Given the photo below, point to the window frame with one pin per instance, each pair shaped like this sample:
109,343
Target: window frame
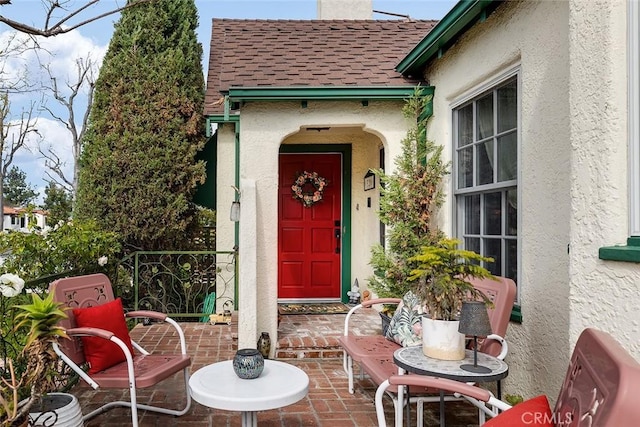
471,95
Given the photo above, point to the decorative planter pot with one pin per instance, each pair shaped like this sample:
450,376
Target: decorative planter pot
386,321
56,409
248,363
441,339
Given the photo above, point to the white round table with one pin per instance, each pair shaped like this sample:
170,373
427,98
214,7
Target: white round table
218,386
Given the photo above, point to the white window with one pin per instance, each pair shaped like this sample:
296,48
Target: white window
634,117
486,141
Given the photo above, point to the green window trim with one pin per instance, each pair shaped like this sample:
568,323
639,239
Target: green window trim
628,253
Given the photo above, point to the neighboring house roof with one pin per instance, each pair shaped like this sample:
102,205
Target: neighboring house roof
10,210
308,53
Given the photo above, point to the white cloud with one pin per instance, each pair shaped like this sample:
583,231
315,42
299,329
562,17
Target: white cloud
52,134
60,53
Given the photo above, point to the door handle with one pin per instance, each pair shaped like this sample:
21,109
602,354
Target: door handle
337,233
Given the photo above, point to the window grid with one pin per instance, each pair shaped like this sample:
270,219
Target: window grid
483,224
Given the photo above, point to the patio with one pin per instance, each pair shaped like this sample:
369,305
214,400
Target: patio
307,341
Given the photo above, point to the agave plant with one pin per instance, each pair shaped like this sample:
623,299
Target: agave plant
40,319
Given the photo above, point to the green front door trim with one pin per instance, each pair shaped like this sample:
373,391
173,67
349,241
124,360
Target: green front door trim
345,150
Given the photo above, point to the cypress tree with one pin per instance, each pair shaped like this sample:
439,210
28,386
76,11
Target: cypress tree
138,168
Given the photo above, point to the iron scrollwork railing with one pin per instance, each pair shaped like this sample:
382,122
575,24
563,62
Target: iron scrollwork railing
184,284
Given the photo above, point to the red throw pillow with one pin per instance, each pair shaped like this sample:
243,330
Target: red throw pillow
100,353
530,413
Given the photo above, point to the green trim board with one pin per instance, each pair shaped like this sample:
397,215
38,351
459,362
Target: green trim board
463,16
628,253
345,150
323,93
219,118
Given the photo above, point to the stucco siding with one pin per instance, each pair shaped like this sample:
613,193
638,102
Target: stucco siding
513,38
264,127
225,178
604,294
573,190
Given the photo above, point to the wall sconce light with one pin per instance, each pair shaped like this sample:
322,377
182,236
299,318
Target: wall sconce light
369,181
234,215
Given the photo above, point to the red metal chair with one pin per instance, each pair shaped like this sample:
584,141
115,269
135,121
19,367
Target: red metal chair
601,388
501,292
139,370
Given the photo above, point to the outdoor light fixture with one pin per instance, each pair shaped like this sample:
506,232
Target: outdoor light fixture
234,215
474,320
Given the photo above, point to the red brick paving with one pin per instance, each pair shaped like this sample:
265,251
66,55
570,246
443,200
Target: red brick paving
328,403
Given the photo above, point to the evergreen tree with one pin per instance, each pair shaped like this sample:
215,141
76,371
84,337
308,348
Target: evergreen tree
408,197
16,190
138,168
58,202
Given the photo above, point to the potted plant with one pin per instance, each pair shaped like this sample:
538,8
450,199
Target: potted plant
442,279
29,390
408,197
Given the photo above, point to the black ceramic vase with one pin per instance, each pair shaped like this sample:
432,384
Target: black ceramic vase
248,363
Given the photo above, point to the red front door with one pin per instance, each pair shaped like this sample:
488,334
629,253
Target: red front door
309,237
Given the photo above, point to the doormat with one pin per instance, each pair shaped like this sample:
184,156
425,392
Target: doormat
319,308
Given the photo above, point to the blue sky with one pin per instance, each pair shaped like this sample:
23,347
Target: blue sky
92,40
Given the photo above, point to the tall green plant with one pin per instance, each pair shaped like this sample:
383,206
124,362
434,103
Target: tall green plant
442,278
138,168
409,196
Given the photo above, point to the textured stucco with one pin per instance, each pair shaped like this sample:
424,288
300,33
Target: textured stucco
225,178
604,294
572,172
264,127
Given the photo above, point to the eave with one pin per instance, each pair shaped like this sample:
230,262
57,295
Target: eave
322,93
304,94
463,16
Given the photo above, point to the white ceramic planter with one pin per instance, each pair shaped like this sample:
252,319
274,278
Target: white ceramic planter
441,339
57,409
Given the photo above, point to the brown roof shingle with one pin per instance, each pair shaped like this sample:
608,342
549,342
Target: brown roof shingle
314,53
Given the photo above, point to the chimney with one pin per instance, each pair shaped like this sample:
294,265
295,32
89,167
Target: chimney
345,9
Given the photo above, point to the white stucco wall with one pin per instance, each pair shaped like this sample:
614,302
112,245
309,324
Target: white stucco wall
263,128
225,178
604,294
572,172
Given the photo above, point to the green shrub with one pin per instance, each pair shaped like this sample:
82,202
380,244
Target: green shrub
78,246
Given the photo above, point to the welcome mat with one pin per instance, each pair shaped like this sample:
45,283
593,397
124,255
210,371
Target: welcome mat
316,308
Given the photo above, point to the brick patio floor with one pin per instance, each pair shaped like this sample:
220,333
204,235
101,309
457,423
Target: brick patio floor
327,404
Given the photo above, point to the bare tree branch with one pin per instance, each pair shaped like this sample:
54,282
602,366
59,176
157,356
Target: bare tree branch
85,69
12,140
58,27
54,171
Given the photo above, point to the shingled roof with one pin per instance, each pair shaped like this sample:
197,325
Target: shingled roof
310,53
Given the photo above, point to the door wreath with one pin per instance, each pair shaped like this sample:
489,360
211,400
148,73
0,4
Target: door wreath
301,191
